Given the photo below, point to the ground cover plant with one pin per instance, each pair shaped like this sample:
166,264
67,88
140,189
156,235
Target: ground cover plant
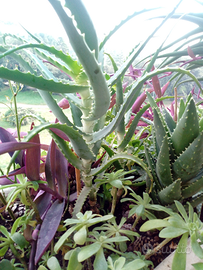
120,142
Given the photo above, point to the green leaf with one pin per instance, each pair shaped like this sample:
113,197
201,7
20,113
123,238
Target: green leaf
179,258
84,23
63,238
88,251
100,261
198,266
73,260
19,239
182,211
80,236
4,231
3,251
135,265
196,245
172,232
40,82
6,264
53,264
154,224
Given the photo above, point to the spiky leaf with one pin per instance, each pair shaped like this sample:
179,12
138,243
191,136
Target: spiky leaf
170,193
163,167
190,161
187,128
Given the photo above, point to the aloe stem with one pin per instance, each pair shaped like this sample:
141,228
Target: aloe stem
157,248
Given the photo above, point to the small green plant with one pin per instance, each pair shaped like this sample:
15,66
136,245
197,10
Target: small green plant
13,240
112,229
122,264
140,207
175,225
80,229
115,181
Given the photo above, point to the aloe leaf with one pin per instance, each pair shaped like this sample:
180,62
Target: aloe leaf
181,109
188,164
163,167
75,67
192,188
90,64
49,227
76,114
191,17
131,130
152,168
121,156
187,128
84,23
32,160
171,193
76,139
39,82
160,129
169,120
81,199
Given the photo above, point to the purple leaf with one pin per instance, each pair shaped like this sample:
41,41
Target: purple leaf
32,160
61,173
50,165
43,202
6,137
49,227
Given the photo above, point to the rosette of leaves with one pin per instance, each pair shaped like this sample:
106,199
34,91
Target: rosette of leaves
176,158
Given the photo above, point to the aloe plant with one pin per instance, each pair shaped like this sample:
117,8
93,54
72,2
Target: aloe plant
88,91
176,161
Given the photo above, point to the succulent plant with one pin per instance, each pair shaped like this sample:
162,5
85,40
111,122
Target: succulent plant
176,160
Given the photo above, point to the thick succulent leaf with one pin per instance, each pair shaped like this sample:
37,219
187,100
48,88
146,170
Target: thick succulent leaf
187,129
188,164
40,82
152,168
32,160
89,62
5,137
49,227
131,130
160,129
131,97
163,166
75,67
84,23
192,188
169,120
181,109
79,144
171,193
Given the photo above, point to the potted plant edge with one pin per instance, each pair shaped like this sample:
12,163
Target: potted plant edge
121,146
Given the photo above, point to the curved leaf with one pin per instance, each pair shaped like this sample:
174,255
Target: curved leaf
49,227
